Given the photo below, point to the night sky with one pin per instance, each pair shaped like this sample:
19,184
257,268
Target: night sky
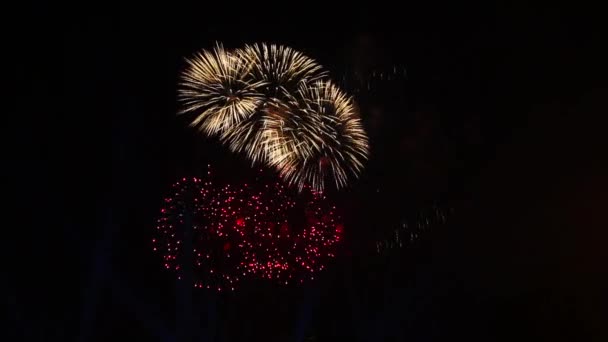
496,117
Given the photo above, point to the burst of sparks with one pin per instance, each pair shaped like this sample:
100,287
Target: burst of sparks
225,234
282,68
322,138
281,71
218,89
272,103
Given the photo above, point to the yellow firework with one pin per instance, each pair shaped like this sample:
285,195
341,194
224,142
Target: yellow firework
218,89
272,103
281,70
251,136
321,139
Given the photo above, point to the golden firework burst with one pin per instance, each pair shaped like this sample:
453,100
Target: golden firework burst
218,89
280,70
273,104
322,138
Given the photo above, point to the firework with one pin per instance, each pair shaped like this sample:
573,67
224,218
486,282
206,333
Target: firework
299,237
281,68
281,71
217,88
188,219
322,139
225,234
271,103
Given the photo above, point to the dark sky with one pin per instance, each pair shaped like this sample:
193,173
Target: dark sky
500,119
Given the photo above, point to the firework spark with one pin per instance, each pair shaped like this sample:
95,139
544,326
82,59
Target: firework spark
281,71
191,216
322,138
225,234
282,68
272,104
218,88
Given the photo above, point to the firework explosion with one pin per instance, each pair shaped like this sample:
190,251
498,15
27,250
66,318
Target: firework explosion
193,216
245,231
281,71
324,140
295,240
217,87
270,102
281,68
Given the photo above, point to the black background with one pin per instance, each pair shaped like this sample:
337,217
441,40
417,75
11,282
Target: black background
500,117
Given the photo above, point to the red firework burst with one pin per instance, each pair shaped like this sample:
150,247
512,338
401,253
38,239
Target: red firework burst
190,235
265,231
297,235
